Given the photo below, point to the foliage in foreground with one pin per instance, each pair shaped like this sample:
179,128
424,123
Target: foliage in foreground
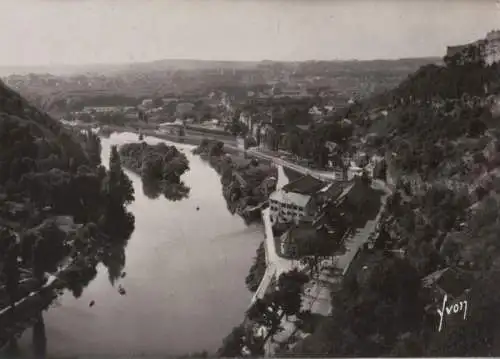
60,210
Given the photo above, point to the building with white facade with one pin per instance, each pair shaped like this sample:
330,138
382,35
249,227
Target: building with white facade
295,200
147,103
290,206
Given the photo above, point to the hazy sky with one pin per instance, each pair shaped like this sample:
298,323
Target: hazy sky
42,32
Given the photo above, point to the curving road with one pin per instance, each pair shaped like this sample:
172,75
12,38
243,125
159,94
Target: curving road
275,265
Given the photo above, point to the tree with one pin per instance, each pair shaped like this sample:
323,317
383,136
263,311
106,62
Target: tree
257,269
290,286
237,128
365,178
233,343
117,185
265,312
11,271
217,149
320,244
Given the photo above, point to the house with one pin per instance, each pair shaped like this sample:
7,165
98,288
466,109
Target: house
147,103
337,165
301,199
171,127
315,111
295,200
333,221
354,196
100,109
331,192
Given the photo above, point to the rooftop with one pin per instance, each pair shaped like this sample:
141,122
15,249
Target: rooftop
304,185
298,199
298,234
334,189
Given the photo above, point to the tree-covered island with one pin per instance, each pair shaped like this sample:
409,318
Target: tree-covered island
160,167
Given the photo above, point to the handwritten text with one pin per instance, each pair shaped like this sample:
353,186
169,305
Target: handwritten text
452,309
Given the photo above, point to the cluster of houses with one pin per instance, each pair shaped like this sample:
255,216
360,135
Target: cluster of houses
307,208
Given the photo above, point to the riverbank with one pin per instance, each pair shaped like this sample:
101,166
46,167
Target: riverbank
246,183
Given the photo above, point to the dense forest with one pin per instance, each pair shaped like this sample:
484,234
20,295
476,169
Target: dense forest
160,167
61,211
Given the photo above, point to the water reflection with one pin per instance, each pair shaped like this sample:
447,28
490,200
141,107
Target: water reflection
151,188
114,261
174,248
173,192
39,338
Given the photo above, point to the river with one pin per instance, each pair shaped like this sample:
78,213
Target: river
185,268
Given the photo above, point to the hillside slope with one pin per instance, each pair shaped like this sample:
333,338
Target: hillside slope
60,210
439,131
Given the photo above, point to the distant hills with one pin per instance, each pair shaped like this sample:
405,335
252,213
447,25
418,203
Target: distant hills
189,64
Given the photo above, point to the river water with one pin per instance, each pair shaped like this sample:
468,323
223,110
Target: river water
185,268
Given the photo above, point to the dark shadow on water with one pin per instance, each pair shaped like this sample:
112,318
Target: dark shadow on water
171,191
176,192
114,261
39,339
113,236
238,208
151,189
119,230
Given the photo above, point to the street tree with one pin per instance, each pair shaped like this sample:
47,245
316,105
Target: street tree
290,287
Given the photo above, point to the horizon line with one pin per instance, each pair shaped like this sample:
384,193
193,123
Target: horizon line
218,60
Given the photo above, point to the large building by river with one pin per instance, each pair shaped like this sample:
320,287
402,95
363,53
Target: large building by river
301,199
